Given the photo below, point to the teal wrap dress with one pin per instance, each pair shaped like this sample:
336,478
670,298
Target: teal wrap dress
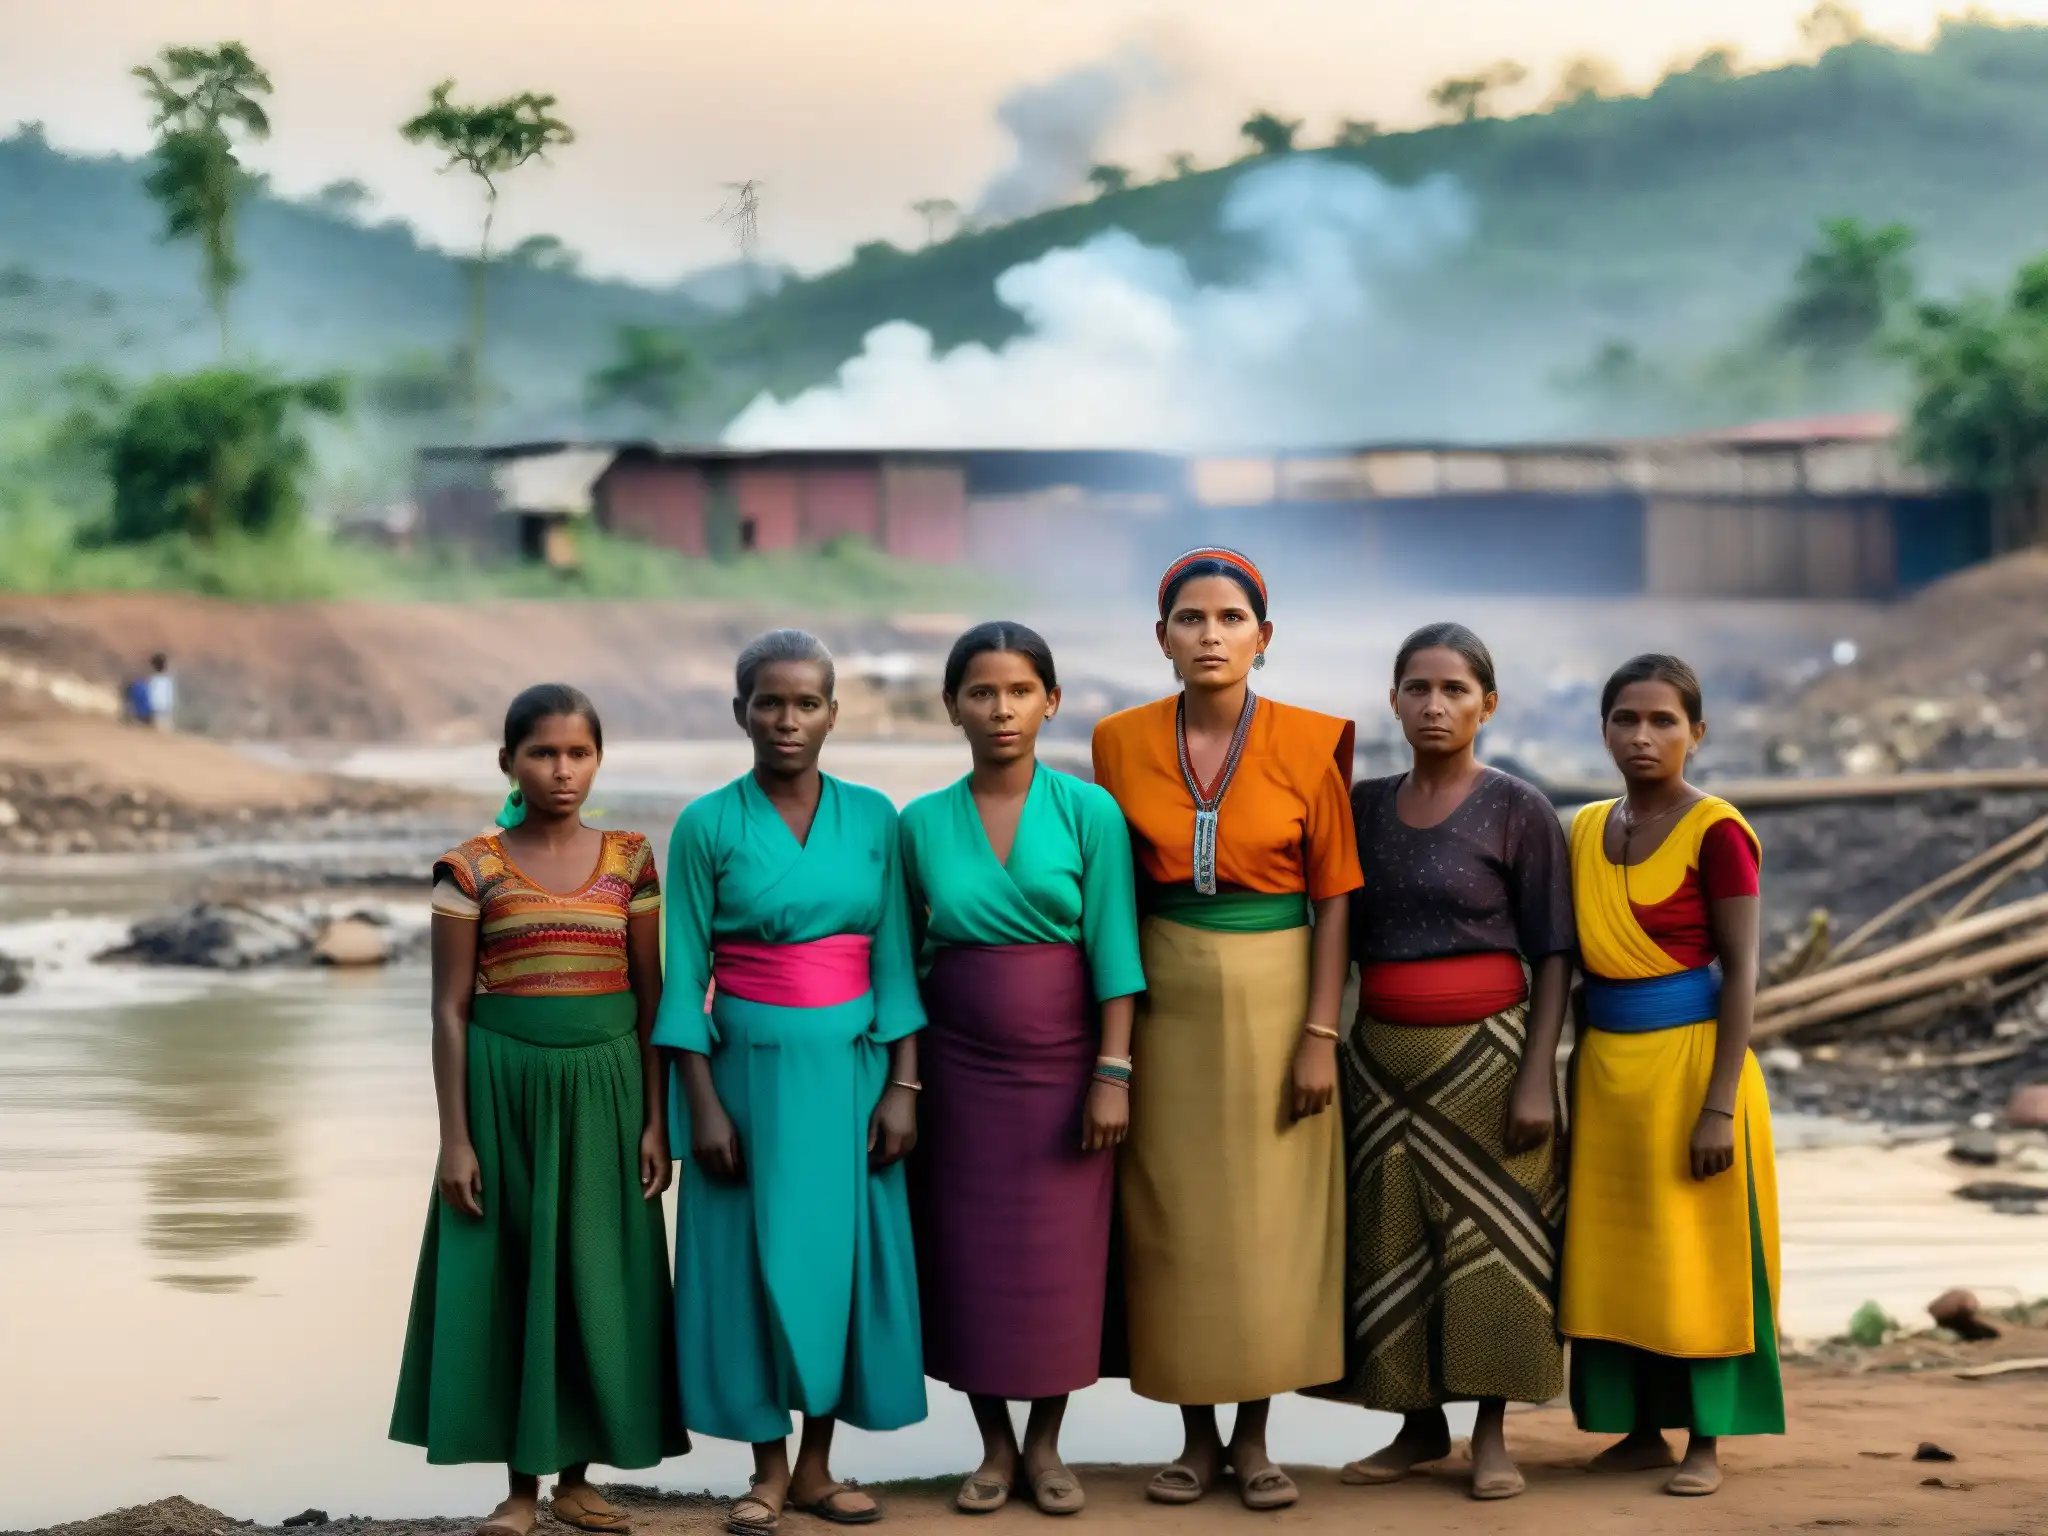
796,1290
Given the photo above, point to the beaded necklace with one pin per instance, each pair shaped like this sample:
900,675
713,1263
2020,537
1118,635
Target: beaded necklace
1208,804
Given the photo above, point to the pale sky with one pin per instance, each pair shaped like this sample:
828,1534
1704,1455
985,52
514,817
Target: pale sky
847,110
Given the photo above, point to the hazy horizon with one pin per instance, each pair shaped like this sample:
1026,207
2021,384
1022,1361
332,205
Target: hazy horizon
847,113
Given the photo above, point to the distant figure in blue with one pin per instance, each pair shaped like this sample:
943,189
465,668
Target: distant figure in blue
153,699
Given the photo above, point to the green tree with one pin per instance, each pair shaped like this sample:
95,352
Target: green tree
1354,133
1108,180
1980,400
200,98
1270,134
1831,25
544,253
651,371
1586,78
1847,289
1466,98
488,140
421,383
213,453
1180,163
934,211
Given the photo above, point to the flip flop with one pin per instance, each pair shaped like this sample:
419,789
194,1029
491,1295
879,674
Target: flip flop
1693,1485
981,1495
1363,1474
1058,1492
573,1506
822,1508
1175,1484
497,1527
763,1524
1267,1489
1506,1486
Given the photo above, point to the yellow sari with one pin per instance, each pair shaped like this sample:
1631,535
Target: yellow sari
1653,1258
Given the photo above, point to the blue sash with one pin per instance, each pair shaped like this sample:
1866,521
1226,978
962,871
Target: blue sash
1655,1002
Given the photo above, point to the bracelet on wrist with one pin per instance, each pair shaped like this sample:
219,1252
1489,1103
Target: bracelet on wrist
1112,1061
1725,1114
1114,1079
1320,1033
897,1082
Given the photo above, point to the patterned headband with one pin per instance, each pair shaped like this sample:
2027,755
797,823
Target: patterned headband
1230,557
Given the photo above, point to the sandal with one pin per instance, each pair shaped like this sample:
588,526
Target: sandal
981,1495
585,1508
1367,1473
1058,1492
1175,1484
763,1524
497,1525
1268,1489
822,1508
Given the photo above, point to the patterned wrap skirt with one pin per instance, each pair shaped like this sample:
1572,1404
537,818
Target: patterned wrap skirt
1452,1253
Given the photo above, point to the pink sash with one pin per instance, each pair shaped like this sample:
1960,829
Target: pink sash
821,974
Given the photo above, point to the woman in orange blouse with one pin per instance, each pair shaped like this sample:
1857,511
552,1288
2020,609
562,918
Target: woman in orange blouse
1240,815
542,1333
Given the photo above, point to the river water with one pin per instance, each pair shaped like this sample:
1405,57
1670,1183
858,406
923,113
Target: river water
212,1190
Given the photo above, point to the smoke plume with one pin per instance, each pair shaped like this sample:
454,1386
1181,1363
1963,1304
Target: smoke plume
1122,347
1057,128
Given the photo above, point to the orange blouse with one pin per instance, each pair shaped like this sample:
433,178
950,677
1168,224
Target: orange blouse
534,942
1285,824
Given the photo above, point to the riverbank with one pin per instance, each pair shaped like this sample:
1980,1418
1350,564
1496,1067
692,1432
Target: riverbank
1848,1463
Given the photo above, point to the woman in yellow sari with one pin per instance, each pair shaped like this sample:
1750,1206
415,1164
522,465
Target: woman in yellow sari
1671,1235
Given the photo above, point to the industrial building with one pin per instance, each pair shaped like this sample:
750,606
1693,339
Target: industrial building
1816,509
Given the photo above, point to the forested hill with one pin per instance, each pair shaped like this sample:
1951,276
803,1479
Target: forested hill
1670,222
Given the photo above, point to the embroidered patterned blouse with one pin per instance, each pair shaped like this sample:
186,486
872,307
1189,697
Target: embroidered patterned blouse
540,943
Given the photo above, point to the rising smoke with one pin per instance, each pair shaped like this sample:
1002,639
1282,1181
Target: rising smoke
1122,347
1057,129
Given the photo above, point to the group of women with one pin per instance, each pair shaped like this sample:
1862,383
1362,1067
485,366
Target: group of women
1033,1084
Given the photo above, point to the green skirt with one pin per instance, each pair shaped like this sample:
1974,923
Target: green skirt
543,1334
1617,1388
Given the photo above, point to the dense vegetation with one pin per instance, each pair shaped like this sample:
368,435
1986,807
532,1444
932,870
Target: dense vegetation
1729,244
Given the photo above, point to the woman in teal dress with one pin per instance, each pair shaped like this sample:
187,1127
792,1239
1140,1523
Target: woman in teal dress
796,1278
1024,878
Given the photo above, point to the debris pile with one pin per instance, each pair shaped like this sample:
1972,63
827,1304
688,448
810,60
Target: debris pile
1907,978
242,936
1955,678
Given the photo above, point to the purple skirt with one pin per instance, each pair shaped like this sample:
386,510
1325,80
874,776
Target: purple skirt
1014,1218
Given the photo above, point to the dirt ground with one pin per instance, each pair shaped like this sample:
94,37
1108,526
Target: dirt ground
1847,1464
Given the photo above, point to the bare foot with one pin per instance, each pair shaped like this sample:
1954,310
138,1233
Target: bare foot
1699,1474
1645,1450
515,1517
580,1505
1422,1439
1494,1473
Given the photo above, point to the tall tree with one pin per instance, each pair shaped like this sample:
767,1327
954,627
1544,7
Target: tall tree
1108,180
1847,289
650,372
1980,400
1269,133
1466,98
488,140
934,211
200,99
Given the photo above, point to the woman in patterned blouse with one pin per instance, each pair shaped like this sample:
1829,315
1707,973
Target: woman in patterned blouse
542,1332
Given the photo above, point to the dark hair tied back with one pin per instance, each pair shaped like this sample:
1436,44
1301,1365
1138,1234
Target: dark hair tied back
1449,637
543,700
999,636
1655,667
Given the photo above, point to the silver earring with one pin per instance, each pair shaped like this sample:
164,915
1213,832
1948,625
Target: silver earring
1259,661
